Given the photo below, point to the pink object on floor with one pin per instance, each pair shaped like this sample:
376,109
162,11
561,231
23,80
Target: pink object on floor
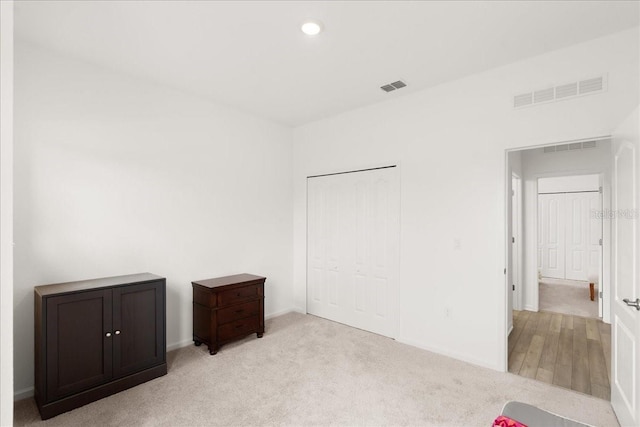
503,421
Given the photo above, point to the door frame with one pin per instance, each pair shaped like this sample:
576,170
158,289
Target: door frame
516,276
605,281
606,235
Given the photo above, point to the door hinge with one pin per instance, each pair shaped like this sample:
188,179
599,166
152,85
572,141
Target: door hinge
600,242
513,192
513,287
513,240
600,294
505,271
600,190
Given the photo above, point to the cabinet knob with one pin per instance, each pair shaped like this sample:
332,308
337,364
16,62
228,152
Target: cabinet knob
108,334
117,332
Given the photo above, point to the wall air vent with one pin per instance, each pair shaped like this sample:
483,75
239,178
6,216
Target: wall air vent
565,91
544,95
393,86
570,147
561,92
591,85
522,100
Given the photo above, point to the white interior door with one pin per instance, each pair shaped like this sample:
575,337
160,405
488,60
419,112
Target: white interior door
583,232
551,241
353,240
625,320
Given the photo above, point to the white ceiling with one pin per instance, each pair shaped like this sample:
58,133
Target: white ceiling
253,56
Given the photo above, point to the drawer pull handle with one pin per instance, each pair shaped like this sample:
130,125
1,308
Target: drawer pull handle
239,326
108,334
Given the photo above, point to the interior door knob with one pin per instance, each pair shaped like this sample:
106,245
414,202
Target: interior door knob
630,303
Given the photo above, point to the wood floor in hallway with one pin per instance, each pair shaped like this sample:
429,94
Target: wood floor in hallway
569,351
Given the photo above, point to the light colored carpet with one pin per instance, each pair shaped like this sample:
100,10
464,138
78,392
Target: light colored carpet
567,297
310,371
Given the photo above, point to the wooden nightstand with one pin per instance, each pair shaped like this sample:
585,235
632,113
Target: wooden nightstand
227,308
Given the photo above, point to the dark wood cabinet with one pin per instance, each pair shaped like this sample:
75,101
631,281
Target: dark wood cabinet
227,308
97,337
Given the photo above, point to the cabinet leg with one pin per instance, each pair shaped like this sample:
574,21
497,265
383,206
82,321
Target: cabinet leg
213,350
259,334
197,343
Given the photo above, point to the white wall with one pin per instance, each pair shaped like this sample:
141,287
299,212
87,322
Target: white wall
564,184
6,213
537,164
116,175
450,144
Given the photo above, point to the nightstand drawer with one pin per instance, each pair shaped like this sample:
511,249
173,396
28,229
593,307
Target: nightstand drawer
240,311
237,328
238,295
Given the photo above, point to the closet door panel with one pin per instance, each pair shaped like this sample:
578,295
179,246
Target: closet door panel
551,225
353,233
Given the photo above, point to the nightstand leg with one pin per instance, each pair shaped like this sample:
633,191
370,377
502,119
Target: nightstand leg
259,334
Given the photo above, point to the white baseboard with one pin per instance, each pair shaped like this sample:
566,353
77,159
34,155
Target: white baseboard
452,354
24,393
279,313
179,344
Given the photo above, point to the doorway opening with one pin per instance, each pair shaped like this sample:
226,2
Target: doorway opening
570,260
557,248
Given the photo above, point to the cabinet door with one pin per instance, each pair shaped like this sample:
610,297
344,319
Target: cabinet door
78,350
138,325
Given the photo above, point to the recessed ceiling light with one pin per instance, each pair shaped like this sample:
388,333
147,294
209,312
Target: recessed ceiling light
311,28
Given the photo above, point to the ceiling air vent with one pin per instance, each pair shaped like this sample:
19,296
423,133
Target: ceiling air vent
393,86
561,92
